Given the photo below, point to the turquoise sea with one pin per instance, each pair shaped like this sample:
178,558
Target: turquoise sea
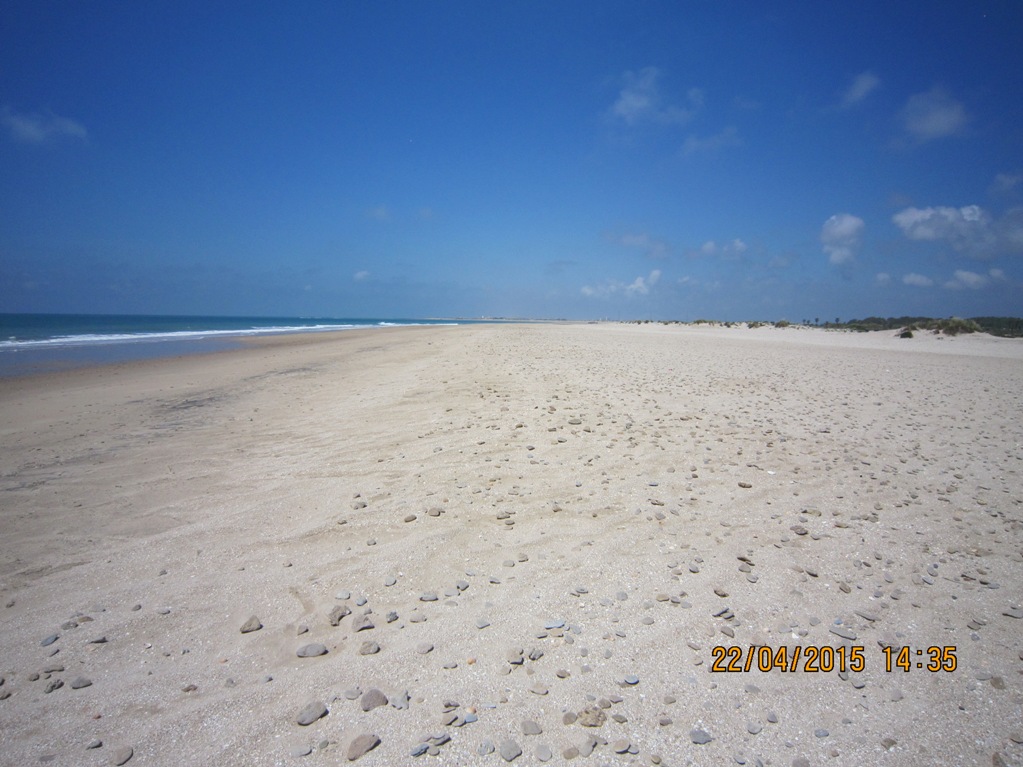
31,343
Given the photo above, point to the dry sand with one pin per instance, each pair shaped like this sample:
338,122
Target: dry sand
596,508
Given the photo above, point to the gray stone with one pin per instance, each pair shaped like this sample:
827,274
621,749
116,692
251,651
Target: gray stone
530,727
123,755
369,648
362,623
543,753
252,624
587,746
372,699
311,650
361,746
591,717
700,737
844,632
337,613
79,682
510,750
401,700
311,712
486,747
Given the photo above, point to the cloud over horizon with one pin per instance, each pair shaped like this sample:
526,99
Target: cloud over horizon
840,237
639,287
917,280
970,230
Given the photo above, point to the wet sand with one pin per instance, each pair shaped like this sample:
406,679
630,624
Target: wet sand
518,542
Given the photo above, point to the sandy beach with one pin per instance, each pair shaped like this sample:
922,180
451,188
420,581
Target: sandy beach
481,544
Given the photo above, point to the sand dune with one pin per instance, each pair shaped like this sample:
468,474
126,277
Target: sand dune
522,543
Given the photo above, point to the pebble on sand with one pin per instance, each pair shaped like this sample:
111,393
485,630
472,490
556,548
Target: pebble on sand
311,712
369,648
362,745
510,750
311,650
700,737
123,755
252,624
372,699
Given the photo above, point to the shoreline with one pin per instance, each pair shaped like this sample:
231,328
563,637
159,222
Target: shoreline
980,344
558,517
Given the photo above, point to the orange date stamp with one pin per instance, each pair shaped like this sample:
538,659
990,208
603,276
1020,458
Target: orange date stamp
812,659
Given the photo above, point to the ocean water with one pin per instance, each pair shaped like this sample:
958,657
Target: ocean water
31,343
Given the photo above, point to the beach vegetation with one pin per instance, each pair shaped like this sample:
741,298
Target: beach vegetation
1007,327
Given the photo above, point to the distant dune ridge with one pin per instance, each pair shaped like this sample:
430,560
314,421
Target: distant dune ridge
519,543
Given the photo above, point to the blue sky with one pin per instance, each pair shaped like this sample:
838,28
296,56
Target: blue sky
662,160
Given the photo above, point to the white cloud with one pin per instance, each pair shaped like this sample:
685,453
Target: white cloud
727,250
360,276
942,223
840,237
883,278
1005,183
641,101
862,86
726,138
973,281
970,230
933,115
918,280
651,247
964,279
642,286
37,129
639,287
